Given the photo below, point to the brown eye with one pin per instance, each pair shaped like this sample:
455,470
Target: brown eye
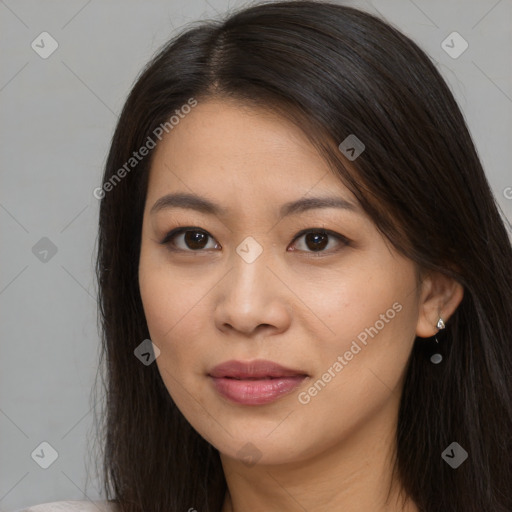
188,239
195,239
318,240
191,239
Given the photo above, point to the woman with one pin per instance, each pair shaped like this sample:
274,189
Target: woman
304,278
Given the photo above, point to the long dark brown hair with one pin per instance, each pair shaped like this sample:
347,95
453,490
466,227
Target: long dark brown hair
334,71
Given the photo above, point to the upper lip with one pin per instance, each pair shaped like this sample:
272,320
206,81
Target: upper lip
258,368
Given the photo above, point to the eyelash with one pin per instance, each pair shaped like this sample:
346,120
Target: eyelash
178,231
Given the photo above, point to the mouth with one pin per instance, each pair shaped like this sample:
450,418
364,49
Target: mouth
253,370
254,378
254,382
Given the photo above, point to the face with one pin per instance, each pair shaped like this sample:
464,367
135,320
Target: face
314,289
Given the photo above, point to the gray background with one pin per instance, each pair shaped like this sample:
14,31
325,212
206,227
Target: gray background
58,115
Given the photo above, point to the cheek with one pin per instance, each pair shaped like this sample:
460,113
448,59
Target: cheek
169,316
158,303
176,310
168,307
165,297
348,304
361,366
368,317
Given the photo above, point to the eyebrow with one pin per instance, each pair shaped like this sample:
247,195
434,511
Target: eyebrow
203,205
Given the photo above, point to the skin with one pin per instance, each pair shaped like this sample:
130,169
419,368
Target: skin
294,305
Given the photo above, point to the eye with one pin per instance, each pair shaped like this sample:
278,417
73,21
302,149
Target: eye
315,240
194,239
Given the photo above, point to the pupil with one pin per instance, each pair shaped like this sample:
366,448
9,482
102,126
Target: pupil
193,239
315,238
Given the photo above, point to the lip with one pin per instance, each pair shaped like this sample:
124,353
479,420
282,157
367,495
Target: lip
256,369
254,382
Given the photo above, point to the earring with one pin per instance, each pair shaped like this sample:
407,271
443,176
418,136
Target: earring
437,358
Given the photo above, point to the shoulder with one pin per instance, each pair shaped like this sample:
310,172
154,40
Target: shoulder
72,506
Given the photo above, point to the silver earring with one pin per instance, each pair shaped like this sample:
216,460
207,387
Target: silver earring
437,358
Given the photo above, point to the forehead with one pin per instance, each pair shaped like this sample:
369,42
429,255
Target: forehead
227,146
227,130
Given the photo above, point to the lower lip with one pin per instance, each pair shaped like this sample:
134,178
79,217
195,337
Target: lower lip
256,392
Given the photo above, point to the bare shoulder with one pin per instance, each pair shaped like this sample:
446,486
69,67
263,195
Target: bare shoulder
72,506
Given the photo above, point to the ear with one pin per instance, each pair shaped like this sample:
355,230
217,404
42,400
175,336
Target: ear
440,296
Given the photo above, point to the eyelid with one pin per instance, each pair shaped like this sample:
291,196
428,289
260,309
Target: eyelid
182,229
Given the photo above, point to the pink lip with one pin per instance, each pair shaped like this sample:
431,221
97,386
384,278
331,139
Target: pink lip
256,382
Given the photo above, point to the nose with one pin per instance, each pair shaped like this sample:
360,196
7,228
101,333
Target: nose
253,300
